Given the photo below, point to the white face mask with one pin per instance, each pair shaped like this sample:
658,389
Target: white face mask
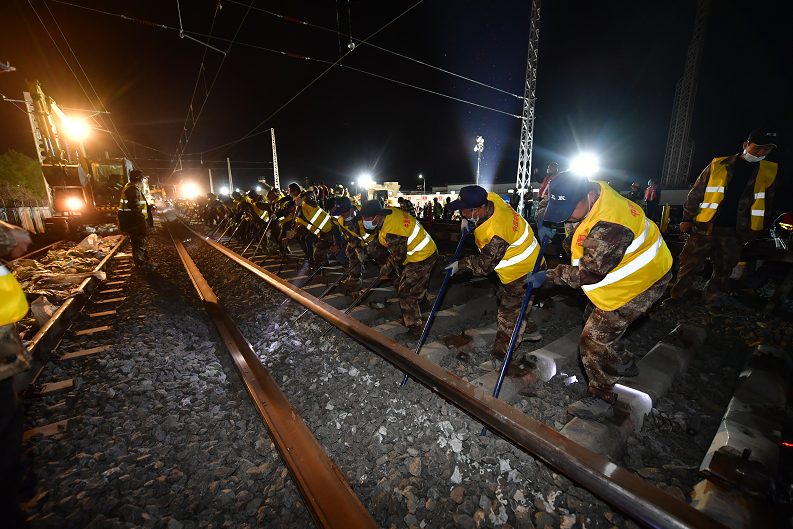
369,225
751,158
348,219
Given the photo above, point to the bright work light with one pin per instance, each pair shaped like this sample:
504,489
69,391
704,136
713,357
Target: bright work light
74,203
585,164
224,190
76,129
189,190
365,180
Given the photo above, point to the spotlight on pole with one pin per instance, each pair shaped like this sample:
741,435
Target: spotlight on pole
365,180
585,164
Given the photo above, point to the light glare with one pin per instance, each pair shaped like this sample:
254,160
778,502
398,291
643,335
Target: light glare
585,164
76,130
73,204
189,190
224,190
365,180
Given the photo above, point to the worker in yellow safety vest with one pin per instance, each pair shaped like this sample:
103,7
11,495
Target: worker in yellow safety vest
410,246
728,207
349,224
313,227
622,264
508,247
132,219
14,359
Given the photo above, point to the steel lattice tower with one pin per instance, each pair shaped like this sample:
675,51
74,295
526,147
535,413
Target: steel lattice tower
529,99
679,147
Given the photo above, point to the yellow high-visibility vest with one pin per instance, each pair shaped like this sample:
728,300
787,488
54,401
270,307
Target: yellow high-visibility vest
714,192
15,304
420,244
523,249
365,237
124,206
315,219
646,260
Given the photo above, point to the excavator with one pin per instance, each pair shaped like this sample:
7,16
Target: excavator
83,191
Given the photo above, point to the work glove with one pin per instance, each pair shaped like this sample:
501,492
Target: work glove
536,280
464,225
385,270
545,231
453,268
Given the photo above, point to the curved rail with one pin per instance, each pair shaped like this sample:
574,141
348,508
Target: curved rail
329,498
619,487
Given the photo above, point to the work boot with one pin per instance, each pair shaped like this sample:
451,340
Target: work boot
631,369
531,336
591,408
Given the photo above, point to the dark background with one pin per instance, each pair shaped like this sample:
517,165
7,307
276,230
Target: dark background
606,80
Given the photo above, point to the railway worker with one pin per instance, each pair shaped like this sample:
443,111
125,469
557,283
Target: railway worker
636,194
652,197
622,264
550,173
132,216
409,245
728,207
350,224
14,359
314,228
507,245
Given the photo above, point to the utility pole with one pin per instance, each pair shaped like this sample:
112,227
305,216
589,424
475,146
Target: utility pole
277,183
529,100
679,147
480,146
231,186
211,187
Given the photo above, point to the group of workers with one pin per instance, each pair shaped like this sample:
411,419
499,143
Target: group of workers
618,256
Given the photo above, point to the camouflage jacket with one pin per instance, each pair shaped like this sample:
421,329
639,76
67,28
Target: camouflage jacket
13,356
490,254
743,221
604,249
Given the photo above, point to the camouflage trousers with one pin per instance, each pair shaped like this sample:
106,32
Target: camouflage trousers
138,238
356,254
601,346
322,247
413,288
510,299
724,249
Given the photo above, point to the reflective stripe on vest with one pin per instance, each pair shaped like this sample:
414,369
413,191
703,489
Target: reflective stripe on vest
717,183
319,221
365,237
420,245
523,250
15,304
142,201
646,260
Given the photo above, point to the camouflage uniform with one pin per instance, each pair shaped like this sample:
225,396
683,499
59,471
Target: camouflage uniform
720,239
600,345
13,359
510,295
415,276
356,254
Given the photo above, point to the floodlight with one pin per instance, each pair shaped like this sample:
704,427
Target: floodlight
190,190
258,188
365,180
76,129
224,190
74,203
585,164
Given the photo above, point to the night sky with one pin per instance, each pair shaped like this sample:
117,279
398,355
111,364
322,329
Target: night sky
606,80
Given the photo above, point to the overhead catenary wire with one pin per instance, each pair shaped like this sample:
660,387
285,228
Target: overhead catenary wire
123,148
352,39
253,132
217,73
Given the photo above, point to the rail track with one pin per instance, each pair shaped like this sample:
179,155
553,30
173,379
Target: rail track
628,492
360,451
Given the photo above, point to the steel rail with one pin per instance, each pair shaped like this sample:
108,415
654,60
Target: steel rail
617,486
327,494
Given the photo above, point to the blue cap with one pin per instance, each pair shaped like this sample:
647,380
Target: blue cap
564,193
470,197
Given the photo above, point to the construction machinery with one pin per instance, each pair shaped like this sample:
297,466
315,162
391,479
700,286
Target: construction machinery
78,186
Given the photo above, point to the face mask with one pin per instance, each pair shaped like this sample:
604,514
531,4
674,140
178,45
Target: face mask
649,182
751,158
348,219
369,225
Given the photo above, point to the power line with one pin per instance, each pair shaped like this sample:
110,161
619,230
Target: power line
252,132
123,148
217,73
316,26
